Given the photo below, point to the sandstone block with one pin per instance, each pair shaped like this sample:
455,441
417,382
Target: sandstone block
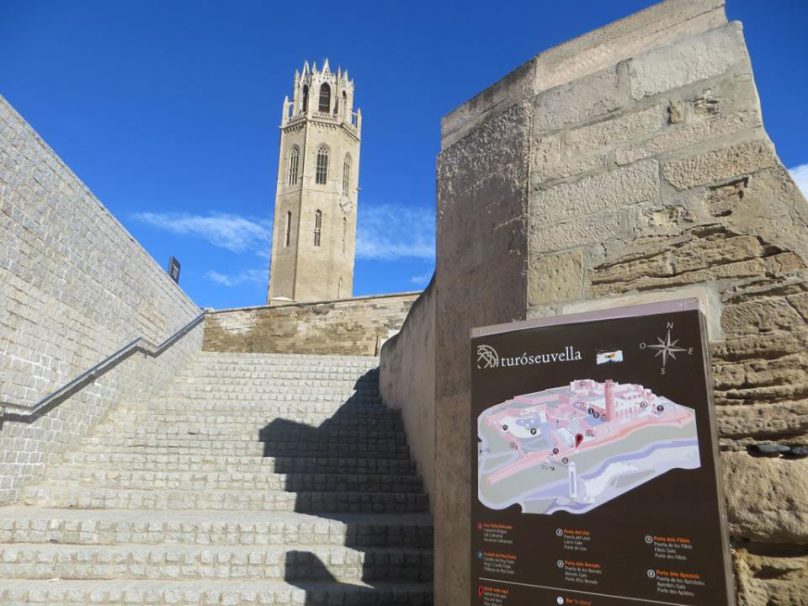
686,135
763,420
768,580
550,238
574,151
720,165
766,498
555,278
693,59
760,316
589,195
578,101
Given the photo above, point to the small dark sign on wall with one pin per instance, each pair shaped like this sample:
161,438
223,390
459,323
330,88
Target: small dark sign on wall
595,478
174,269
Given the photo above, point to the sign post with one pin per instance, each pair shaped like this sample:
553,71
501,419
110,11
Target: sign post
595,457
174,269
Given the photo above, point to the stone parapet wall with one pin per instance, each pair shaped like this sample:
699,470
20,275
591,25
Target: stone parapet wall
356,326
407,382
632,162
74,288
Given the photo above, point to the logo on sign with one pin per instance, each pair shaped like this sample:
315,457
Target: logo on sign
487,357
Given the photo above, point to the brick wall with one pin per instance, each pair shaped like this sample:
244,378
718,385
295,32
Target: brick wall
349,326
74,288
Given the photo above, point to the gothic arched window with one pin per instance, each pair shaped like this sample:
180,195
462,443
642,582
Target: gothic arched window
318,226
288,230
294,162
325,97
346,175
305,97
322,165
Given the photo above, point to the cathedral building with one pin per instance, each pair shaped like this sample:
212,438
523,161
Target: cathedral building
314,231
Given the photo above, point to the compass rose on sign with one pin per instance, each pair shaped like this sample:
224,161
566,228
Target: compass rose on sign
667,348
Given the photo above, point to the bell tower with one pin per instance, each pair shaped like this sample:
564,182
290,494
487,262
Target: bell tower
314,230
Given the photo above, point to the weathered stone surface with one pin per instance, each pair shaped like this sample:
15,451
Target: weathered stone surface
480,279
688,134
407,382
763,421
556,277
771,580
693,59
589,195
574,232
720,165
583,149
766,498
351,326
760,316
575,102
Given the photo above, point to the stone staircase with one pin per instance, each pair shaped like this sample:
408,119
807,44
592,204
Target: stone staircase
255,479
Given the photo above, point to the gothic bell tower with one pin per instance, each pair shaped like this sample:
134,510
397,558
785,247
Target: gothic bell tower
314,230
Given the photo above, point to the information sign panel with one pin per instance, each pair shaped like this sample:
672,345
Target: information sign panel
595,477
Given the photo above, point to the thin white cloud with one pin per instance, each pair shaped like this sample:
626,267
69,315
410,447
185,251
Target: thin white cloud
232,232
255,276
422,280
800,176
387,232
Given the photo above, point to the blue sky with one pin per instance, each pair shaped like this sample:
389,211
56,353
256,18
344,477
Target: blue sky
169,110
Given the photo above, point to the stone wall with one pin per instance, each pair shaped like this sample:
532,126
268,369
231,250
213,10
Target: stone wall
633,162
74,288
356,326
407,382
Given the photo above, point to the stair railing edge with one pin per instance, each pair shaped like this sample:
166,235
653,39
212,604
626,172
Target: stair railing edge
140,344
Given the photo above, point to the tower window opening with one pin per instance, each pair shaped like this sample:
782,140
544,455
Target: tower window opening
344,103
294,162
325,97
318,226
305,97
346,175
322,165
288,231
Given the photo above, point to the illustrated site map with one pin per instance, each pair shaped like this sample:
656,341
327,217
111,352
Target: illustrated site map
575,447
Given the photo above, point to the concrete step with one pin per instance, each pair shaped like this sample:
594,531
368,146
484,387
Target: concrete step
274,405
230,500
69,476
247,464
381,417
276,430
212,593
189,562
251,448
226,449
110,527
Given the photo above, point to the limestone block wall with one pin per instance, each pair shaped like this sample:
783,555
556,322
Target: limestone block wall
74,288
407,382
356,326
632,162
